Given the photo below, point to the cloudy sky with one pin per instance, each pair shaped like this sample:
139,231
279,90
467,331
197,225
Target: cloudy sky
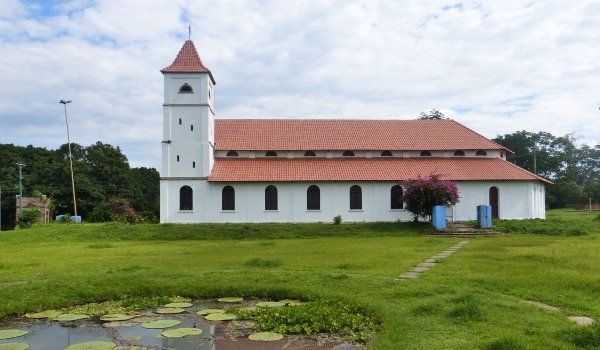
494,66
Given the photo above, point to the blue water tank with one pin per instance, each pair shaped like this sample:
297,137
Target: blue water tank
484,216
73,218
438,217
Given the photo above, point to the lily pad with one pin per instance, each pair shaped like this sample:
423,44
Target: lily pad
117,317
159,324
44,314
70,317
181,332
220,316
14,346
179,305
116,324
170,310
230,299
92,345
270,304
209,311
265,336
180,299
11,333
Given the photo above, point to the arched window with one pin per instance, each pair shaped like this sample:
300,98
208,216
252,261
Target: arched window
271,198
313,198
228,198
186,198
186,89
459,153
232,154
309,154
425,154
348,154
481,153
355,197
271,154
386,154
396,197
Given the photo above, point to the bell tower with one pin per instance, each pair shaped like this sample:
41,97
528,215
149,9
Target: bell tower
188,134
188,116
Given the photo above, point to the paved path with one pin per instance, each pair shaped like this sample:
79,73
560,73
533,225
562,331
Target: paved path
427,264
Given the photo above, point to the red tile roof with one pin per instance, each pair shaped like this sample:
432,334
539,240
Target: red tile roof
188,61
344,134
365,169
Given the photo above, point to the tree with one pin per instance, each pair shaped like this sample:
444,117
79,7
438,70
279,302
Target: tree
101,172
565,193
434,114
575,170
422,194
146,190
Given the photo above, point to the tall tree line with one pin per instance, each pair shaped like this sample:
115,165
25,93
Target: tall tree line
574,169
101,172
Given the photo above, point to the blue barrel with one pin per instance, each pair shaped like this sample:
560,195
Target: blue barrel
438,217
484,216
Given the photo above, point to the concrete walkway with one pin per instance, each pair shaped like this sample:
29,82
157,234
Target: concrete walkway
427,264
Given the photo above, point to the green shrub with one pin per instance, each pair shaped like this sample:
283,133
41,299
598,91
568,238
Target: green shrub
28,217
337,219
313,317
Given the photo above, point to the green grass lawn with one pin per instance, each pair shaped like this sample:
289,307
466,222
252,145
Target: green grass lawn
471,300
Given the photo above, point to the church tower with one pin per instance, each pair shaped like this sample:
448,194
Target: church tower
188,133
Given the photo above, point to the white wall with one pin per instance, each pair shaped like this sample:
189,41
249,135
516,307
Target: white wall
517,200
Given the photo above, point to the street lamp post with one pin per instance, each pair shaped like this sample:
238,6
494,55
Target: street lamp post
20,188
64,102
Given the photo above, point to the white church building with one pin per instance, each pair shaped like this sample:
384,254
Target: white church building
310,170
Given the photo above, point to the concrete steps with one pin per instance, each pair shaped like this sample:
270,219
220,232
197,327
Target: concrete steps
458,229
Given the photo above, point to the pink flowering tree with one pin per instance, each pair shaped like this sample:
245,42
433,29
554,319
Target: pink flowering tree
121,210
422,194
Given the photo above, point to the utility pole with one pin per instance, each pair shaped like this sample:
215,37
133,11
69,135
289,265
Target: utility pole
20,188
64,102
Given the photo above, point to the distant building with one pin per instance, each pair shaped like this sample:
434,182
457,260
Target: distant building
42,203
310,170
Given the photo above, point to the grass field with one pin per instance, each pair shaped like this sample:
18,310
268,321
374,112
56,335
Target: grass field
472,300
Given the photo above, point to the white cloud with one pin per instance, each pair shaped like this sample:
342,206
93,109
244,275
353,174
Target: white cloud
496,66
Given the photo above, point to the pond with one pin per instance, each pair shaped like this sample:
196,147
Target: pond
50,334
